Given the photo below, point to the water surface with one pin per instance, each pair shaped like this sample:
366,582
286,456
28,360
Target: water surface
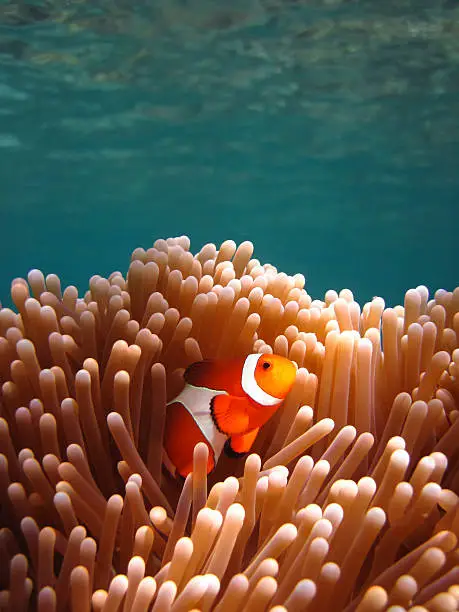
325,132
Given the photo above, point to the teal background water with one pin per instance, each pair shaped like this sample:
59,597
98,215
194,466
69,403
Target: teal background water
325,132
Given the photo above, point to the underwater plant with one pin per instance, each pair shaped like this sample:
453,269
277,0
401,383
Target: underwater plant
349,499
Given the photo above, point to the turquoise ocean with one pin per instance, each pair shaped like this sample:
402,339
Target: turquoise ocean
326,132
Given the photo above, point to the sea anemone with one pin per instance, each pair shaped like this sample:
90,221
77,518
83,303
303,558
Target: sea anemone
349,500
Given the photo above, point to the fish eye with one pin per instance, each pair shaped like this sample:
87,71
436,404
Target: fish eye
266,365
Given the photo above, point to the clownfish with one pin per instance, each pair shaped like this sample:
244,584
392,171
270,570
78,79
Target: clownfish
223,404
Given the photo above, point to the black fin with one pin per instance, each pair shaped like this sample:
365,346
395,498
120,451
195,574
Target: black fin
229,452
212,414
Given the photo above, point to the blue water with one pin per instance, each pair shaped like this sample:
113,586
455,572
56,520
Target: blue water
325,132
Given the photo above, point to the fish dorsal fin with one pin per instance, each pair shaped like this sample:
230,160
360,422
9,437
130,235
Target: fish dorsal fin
199,373
220,375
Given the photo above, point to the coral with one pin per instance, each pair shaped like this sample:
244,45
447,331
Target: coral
348,502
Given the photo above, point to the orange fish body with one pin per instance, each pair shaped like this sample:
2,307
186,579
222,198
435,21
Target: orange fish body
224,404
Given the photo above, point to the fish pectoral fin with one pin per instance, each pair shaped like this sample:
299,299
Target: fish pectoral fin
229,414
240,444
